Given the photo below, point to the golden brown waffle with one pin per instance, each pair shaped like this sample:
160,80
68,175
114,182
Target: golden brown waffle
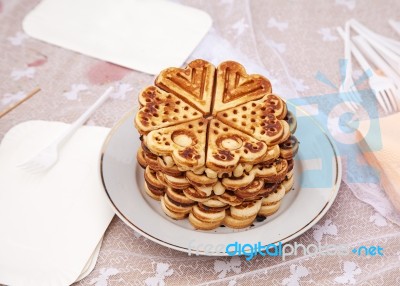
289,148
185,143
177,207
217,144
272,173
155,194
161,109
269,209
202,225
292,121
242,102
140,157
251,190
154,190
234,86
151,178
171,213
231,198
270,204
259,118
232,222
200,180
194,84
214,202
227,147
246,209
288,182
229,208
179,182
196,195
273,153
150,158
167,166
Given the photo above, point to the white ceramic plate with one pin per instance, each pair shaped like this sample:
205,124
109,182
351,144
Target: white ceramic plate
317,180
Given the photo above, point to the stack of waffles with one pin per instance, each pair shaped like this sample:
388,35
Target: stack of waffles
217,145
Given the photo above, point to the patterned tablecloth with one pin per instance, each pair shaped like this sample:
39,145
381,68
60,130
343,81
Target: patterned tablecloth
290,42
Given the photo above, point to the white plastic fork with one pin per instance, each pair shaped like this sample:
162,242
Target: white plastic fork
383,47
48,156
347,89
379,84
391,75
395,25
389,43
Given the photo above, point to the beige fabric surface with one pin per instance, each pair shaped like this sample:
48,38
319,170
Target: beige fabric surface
302,34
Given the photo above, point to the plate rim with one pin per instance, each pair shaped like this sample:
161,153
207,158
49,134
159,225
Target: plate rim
324,210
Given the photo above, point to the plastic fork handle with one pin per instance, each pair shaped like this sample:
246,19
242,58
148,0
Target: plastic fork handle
387,52
375,58
83,118
357,54
376,42
391,44
347,50
394,25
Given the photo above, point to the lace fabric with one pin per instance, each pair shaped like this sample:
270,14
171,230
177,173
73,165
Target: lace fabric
296,46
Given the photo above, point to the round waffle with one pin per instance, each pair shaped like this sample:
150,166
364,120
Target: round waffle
217,144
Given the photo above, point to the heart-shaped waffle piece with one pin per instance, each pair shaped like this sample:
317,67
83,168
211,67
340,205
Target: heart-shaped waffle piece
227,147
194,84
185,142
257,118
161,109
234,86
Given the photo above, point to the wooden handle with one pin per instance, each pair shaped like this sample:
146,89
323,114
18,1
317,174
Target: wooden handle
15,105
